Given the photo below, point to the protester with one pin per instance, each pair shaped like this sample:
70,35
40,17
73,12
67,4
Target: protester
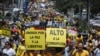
14,46
21,48
42,16
79,38
8,50
97,51
90,46
69,49
96,40
80,51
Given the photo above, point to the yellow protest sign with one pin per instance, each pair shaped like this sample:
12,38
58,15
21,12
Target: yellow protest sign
31,28
6,32
55,37
35,39
0,32
98,33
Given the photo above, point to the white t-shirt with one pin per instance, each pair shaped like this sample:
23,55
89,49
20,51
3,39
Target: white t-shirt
97,52
96,42
49,23
66,51
37,22
9,52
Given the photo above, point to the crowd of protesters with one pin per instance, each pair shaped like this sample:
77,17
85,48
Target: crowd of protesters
43,17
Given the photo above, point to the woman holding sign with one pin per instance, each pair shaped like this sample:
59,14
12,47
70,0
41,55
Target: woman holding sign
21,48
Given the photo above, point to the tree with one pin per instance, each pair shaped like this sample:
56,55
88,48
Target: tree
1,16
63,5
1,1
95,6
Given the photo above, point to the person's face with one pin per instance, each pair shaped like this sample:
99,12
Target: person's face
80,47
23,42
7,46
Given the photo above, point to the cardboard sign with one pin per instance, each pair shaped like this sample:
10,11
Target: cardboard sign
35,39
6,32
55,37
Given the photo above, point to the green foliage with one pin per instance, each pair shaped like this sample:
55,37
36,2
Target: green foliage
63,5
95,6
1,16
8,14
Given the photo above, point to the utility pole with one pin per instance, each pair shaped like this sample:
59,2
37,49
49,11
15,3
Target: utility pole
3,10
80,9
88,12
12,18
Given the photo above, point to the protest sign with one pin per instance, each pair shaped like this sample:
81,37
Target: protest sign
35,39
55,37
6,32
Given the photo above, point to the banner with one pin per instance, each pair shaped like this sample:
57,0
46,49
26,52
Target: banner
6,32
0,32
35,39
72,33
55,37
31,28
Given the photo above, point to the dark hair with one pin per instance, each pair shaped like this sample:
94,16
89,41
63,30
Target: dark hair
11,39
90,41
8,43
79,35
98,46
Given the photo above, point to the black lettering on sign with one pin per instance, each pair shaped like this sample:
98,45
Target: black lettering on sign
55,38
34,37
31,32
35,46
56,32
55,43
35,41
40,32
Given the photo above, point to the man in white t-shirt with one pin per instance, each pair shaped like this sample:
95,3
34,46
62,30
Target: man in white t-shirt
8,50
